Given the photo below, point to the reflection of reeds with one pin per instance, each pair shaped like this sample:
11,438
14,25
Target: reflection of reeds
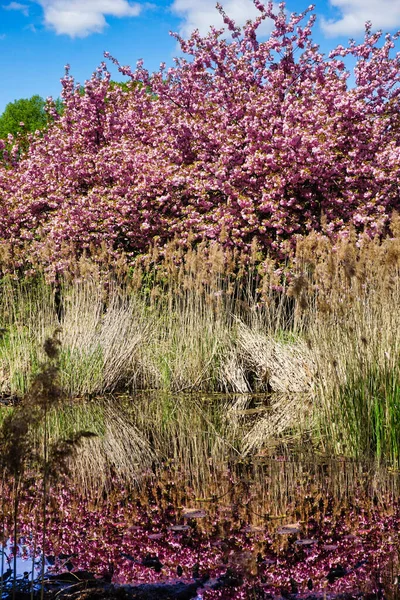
240,511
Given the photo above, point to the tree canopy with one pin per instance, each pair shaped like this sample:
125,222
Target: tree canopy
25,114
241,139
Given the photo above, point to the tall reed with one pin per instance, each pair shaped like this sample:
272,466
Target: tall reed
353,293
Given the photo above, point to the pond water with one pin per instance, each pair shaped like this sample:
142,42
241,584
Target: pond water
257,527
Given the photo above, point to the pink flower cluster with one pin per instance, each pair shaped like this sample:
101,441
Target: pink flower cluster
243,138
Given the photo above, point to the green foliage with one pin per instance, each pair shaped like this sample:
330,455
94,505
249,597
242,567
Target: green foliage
128,86
124,85
368,413
29,111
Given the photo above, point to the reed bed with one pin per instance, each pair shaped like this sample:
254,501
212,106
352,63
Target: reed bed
169,324
321,331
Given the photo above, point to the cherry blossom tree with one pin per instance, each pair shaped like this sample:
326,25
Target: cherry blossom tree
241,138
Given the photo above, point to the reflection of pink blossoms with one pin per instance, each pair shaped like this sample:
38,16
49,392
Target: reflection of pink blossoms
125,535
240,139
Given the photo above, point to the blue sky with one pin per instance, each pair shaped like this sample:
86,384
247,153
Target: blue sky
38,37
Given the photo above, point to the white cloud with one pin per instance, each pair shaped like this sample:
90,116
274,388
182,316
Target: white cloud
201,14
80,18
383,14
24,8
2,36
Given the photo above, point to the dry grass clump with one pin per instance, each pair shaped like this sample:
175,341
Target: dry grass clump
102,330
338,362
27,317
280,363
99,335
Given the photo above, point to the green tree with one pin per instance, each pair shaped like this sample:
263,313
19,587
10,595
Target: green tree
24,115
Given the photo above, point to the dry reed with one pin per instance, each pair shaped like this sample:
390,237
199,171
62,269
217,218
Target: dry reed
323,331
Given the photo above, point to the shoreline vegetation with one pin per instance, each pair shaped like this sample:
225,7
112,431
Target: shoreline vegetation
226,225
320,337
